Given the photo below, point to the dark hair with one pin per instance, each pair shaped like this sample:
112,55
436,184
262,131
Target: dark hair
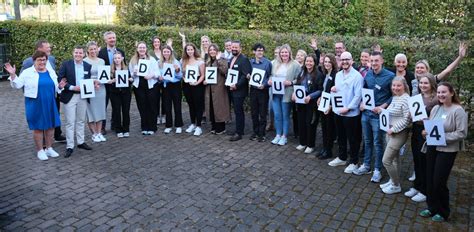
237,41
257,46
38,54
332,58
39,43
365,50
304,71
153,40
227,40
79,47
376,54
455,98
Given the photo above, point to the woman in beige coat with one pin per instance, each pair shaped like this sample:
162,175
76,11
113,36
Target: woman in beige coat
216,99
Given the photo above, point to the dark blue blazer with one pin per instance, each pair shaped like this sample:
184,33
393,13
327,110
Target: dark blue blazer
67,70
242,64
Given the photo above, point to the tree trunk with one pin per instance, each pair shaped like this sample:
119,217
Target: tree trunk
16,6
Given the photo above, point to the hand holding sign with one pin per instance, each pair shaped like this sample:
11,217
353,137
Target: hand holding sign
143,66
192,74
417,108
368,100
103,72
435,135
211,75
87,88
277,85
256,79
324,102
384,120
168,71
121,78
337,101
300,94
232,77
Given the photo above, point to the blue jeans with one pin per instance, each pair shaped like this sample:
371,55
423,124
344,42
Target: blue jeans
281,111
373,138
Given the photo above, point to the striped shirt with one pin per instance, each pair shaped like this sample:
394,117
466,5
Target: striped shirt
399,113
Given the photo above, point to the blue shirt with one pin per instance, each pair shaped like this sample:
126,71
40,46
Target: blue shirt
79,69
110,53
350,85
264,64
381,83
28,62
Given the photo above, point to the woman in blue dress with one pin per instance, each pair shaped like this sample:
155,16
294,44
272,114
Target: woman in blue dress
40,86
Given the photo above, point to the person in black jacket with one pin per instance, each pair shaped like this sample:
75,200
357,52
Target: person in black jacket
312,79
73,71
240,90
107,54
330,69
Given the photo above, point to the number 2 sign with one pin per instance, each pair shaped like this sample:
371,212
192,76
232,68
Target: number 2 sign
435,132
368,99
417,108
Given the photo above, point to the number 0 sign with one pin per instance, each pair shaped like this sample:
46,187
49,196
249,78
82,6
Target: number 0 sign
435,132
384,119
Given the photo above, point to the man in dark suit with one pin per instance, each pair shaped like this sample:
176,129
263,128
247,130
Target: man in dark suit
240,90
74,71
107,54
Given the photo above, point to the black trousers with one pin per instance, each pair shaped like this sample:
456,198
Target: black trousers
349,129
172,101
419,158
329,130
259,110
294,118
195,97
239,114
107,97
57,130
215,126
307,119
438,168
161,103
146,103
120,100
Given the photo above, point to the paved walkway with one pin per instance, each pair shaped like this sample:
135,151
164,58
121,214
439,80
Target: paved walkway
183,182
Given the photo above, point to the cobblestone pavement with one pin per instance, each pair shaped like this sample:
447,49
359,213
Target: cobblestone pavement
183,182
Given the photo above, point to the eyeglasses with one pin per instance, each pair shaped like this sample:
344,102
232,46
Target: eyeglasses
346,59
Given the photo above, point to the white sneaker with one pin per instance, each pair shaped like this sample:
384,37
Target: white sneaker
300,147
412,177
389,182
101,137
376,177
197,131
276,140
282,141
119,135
42,155
362,170
179,130
392,189
419,197
191,128
411,193
308,150
349,169
158,120
150,132
337,162
167,130
163,119
96,139
51,153
144,132
126,134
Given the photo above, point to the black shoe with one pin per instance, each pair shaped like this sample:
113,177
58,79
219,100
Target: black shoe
68,152
220,132
84,146
262,139
327,155
103,132
236,137
323,152
254,137
60,139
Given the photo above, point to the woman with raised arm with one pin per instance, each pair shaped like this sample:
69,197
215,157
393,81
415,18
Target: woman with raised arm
40,86
145,90
156,53
193,88
440,159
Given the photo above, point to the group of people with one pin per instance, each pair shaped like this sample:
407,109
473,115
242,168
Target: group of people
318,73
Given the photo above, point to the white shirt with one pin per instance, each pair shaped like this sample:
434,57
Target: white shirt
350,85
28,80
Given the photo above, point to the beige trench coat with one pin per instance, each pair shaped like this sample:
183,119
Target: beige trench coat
220,98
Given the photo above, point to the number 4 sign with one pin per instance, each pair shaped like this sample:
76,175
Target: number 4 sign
435,132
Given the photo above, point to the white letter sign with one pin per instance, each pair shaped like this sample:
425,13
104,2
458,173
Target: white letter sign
192,74
325,102
337,101
435,132
256,78
211,75
277,86
103,73
232,77
143,66
384,120
417,108
368,99
87,88
168,71
300,94
121,78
